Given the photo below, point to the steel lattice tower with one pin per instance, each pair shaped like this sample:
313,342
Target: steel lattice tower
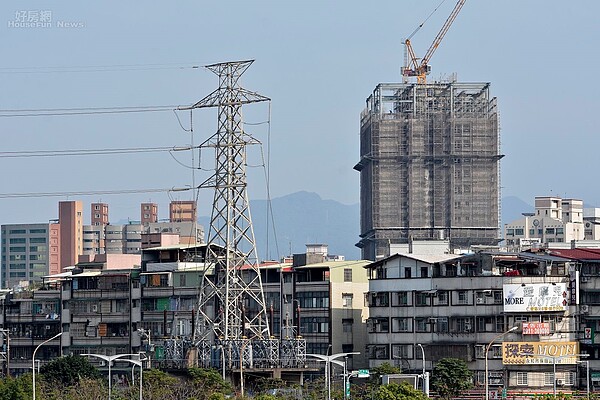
231,305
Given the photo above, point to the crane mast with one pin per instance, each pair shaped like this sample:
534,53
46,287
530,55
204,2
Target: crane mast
422,69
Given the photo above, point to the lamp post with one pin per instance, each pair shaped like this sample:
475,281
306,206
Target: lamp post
33,359
109,360
139,364
487,349
587,381
425,375
328,360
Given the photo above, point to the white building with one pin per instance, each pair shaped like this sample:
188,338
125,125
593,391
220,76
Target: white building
554,220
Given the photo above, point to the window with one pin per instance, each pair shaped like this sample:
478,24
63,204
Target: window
17,231
560,231
463,297
424,272
532,232
401,324
17,240
522,379
441,325
442,298
39,240
463,325
401,351
399,299
378,325
519,232
347,299
313,299
548,376
407,272
17,248
347,325
421,299
347,274
380,299
315,325
421,325
510,232
378,351
549,231
36,231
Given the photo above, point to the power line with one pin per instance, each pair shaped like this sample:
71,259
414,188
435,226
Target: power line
86,193
85,152
82,111
97,68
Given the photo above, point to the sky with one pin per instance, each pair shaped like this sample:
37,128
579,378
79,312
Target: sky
317,61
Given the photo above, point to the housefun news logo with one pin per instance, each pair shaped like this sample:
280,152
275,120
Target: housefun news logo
40,19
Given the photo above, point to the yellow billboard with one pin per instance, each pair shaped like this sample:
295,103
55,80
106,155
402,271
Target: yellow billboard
522,353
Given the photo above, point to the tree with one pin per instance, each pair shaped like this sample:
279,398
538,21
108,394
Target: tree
210,380
67,371
451,377
402,391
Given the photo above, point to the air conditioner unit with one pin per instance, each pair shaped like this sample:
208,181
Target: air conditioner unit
585,279
94,308
585,308
467,327
480,300
560,382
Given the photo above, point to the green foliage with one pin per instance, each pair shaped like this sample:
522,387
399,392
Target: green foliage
265,396
67,371
451,377
402,391
263,384
16,388
209,379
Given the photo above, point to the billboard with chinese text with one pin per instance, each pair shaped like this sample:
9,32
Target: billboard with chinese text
536,328
535,297
520,353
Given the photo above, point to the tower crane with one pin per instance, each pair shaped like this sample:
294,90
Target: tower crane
422,69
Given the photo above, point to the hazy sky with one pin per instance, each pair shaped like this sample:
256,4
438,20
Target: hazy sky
317,60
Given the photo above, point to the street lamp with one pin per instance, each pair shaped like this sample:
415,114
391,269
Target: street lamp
328,360
109,360
587,381
487,349
139,364
33,359
425,374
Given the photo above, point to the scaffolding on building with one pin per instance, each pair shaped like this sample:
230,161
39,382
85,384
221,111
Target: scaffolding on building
429,165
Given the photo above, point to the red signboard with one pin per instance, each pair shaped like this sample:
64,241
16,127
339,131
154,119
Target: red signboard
536,328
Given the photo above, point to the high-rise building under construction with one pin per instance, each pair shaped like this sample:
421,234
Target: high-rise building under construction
429,165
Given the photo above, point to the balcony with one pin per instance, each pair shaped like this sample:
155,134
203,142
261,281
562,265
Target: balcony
100,294
100,341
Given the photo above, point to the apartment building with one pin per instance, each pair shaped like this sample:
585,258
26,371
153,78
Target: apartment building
29,252
183,211
70,219
148,213
554,221
320,300
456,306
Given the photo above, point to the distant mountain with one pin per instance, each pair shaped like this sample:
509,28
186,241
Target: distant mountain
304,217
512,208
301,218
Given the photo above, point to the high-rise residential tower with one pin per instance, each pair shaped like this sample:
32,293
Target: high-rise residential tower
70,219
182,211
429,166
